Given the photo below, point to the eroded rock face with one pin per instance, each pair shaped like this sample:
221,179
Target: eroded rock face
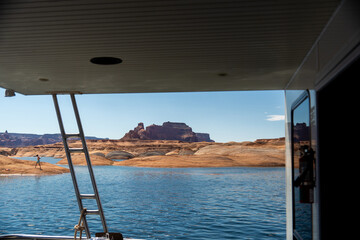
167,131
169,153
138,133
171,131
203,137
119,155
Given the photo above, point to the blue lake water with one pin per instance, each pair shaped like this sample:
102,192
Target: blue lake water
151,203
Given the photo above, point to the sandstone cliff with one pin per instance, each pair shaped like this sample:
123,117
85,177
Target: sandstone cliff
203,137
167,131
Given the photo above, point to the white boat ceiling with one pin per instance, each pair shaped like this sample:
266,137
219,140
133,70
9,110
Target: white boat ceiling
165,46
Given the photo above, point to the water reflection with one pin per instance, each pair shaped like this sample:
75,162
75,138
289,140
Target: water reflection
229,203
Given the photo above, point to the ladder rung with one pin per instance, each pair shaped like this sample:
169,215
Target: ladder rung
87,196
72,135
92,212
76,149
80,149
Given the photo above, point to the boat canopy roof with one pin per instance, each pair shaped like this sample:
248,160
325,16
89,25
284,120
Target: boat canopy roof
107,46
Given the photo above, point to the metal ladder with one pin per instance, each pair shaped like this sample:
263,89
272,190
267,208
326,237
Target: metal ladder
84,150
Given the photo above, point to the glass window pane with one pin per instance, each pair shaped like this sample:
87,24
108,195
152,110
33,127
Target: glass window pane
302,171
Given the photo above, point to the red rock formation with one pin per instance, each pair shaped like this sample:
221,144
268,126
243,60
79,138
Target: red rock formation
204,137
138,133
168,131
171,131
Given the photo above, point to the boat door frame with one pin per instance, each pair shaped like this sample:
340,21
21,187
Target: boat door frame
300,97
336,48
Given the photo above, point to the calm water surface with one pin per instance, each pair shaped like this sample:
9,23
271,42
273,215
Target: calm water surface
152,203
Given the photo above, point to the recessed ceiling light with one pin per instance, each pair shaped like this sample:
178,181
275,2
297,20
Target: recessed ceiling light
105,60
223,74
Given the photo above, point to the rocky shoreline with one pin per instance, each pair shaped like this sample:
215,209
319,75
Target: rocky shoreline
160,153
11,166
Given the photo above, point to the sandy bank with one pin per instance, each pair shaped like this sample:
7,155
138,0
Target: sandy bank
80,160
10,166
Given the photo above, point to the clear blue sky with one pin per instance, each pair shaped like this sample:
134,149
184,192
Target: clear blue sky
226,116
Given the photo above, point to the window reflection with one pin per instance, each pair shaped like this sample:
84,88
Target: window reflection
303,160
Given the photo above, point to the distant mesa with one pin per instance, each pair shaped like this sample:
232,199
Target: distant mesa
167,131
23,139
203,137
